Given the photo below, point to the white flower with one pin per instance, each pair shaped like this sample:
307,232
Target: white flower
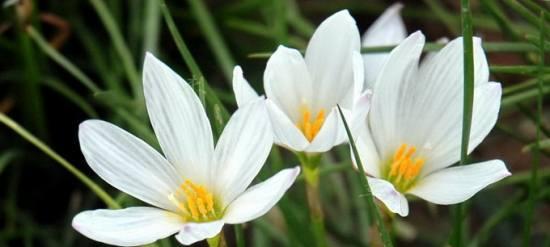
388,29
196,188
302,92
413,132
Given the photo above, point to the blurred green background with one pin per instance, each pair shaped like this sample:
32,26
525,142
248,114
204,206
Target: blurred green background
62,62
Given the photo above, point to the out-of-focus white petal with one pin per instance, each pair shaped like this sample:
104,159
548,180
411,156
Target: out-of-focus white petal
287,82
127,227
387,194
458,184
285,131
128,163
194,232
329,59
179,120
260,198
484,116
242,150
388,29
244,93
392,96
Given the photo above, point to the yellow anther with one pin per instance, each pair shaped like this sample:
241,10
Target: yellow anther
310,127
403,168
194,201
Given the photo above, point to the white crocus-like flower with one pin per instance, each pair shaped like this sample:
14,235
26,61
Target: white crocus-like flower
195,189
413,131
302,92
388,29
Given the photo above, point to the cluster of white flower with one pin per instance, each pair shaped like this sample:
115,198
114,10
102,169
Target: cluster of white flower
406,141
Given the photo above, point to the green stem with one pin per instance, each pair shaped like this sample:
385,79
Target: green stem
106,198
384,235
533,185
217,241
239,235
120,46
62,60
213,37
467,33
310,167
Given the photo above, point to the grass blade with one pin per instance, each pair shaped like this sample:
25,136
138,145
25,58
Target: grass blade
384,235
213,37
467,33
533,185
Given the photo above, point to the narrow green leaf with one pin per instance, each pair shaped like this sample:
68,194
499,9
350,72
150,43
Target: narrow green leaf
384,235
120,46
213,37
534,183
467,33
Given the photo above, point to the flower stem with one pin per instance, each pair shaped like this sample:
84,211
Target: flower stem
217,241
310,166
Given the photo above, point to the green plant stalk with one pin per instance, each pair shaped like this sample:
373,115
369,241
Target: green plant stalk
509,90
310,167
120,47
62,60
526,95
239,235
533,185
32,109
106,198
217,241
525,13
467,33
71,95
519,69
213,37
442,14
151,27
384,235
220,112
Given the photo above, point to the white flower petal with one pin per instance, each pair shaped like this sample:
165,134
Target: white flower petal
179,120
388,29
242,150
329,59
260,198
128,163
244,93
392,96
194,232
287,82
285,131
360,111
367,152
387,194
484,116
459,183
127,227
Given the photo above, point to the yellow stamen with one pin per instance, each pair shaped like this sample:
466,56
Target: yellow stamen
310,127
404,169
194,201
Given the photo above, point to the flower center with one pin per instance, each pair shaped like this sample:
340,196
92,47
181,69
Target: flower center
403,169
308,125
194,202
